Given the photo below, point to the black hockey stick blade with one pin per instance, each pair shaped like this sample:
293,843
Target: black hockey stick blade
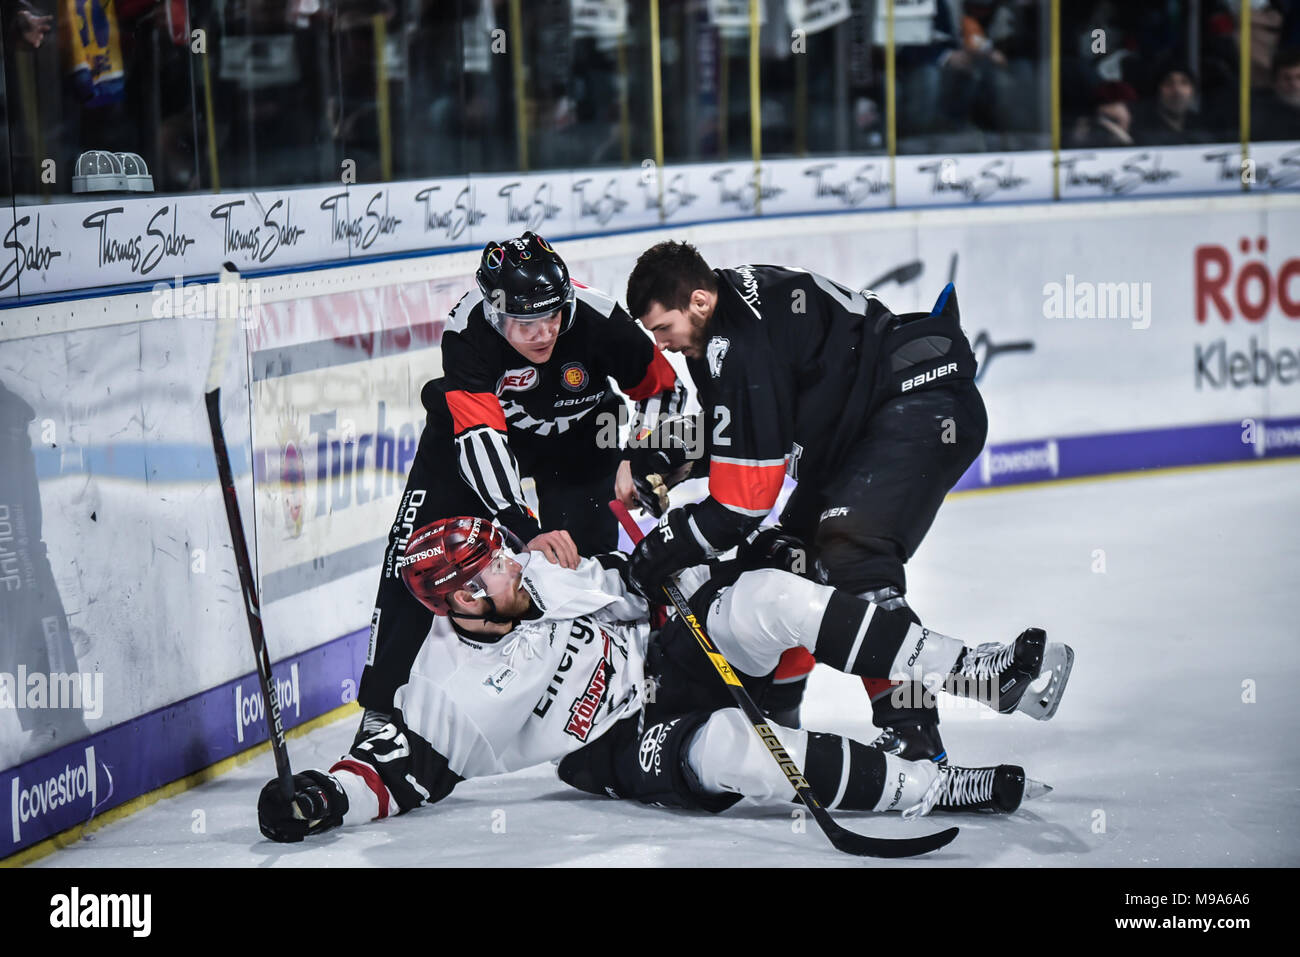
841,838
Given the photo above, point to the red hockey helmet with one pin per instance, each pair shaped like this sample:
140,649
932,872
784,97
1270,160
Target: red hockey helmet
460,553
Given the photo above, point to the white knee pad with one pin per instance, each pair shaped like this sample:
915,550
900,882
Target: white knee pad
727,756
766,613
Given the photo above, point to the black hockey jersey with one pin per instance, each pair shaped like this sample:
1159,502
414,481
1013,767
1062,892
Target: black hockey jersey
793,367
511,416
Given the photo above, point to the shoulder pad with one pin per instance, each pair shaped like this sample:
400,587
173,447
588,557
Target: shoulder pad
595,299
458,318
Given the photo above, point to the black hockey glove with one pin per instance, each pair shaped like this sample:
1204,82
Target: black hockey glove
770,547
657,469
669,547
318,804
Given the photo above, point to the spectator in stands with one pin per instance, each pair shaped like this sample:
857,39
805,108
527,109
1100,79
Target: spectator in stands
1111,121
1277,115
1172,117
30,24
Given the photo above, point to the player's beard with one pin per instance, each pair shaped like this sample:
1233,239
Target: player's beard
699,336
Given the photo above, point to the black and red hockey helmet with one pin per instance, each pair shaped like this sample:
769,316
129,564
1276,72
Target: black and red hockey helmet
524,280
455,554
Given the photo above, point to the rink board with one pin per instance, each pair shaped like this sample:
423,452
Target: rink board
322,413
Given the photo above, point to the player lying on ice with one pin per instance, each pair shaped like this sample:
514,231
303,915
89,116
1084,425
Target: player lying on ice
528,662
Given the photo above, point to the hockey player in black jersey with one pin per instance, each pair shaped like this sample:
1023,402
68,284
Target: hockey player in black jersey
531,361
874,415
529,662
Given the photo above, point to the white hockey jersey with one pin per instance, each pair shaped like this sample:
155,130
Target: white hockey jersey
549,687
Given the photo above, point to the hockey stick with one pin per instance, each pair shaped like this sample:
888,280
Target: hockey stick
227,325
841,838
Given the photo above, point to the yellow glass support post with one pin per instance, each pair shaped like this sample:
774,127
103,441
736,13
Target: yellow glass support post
624,120
1054,70
755,108
657,97
517,68
214,165
724,97
25,67
1245,93
891,102
801,104
381,100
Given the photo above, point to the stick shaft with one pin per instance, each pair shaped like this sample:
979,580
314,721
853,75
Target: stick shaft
274,724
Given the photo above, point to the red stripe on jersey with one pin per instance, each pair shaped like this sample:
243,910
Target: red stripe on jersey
659,377
748,487
471,409
794,663
366,773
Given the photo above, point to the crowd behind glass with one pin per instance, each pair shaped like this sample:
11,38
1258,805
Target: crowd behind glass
238,94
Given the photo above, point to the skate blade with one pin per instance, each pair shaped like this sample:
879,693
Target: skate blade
1058,660
1034,789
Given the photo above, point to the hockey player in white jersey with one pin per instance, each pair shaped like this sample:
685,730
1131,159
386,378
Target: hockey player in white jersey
530,662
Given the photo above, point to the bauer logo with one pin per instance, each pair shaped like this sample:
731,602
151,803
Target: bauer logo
250,709
1020,462
32,800
927,377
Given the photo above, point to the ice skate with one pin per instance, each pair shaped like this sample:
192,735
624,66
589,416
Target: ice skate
997,790
912,741
1001,675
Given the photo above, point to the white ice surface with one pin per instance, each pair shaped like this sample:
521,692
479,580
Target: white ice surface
1154,756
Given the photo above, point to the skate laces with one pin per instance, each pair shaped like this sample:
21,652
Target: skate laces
930,798
988,660
955,787
968,786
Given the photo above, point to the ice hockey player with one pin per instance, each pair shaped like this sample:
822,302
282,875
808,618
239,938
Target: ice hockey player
530,662
874,416
531,359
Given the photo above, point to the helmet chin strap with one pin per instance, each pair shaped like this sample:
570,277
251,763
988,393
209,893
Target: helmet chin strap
493,616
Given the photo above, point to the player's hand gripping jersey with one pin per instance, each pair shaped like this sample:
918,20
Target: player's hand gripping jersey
511,416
